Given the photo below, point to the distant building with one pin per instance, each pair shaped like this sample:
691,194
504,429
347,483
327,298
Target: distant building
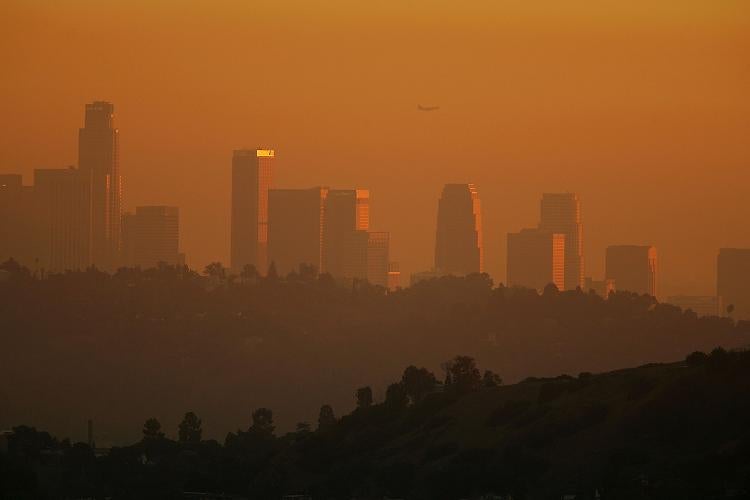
295,227
601,287
378,257
705,305
458,241
394,276
536,258
633,267
19,224
252,171
64,199
733,281
347,211
561,214
99,158
152,235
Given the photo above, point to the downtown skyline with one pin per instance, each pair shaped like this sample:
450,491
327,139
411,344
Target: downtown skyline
100,113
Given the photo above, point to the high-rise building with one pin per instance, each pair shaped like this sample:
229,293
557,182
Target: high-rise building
151,236
295,227
378,255
99,158
458,241
733,282
536,258
19,228
252,171
633,268
347,211
561,214
64,198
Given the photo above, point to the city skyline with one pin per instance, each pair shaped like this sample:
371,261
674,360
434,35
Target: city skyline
253,171
640,111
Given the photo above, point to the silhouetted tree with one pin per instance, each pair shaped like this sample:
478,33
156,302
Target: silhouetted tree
464,374
417,382
263,422
326,418
249,274
491,379
364,397
303,427
152,429
696,358
395,396
215,270
190,430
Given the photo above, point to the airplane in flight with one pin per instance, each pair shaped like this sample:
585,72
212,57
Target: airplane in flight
427,108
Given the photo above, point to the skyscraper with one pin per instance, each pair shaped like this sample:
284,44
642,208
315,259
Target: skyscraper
19,231
561,214
98,156
152,235
733,281
252,171
64,198
347,211
633,268
458,242
536,258
295,227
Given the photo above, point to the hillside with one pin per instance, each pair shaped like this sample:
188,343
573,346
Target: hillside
658,431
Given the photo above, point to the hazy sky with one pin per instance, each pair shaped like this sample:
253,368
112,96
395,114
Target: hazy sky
642,107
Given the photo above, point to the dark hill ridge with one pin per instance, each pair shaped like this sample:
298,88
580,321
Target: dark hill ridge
658,431
677,429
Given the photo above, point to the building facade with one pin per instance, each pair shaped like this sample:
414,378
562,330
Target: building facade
378,257
99,159
702,305
151,236
536,258
252,171
458,240
561,214
347,211
295,227
733,282
634,268
64,204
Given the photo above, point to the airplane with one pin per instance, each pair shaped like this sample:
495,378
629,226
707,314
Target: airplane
427,108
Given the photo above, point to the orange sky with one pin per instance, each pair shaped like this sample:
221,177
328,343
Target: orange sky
642,107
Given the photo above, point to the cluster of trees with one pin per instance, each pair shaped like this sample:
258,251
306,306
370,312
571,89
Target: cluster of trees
170,338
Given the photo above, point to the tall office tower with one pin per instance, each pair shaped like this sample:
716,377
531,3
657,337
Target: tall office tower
633,268
151,236
378,257
99,157
458,242
733,281
251,179
64,198
536,258
19,231
347,211
295,227
561,213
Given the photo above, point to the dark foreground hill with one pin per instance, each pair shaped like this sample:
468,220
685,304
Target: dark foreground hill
658,431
